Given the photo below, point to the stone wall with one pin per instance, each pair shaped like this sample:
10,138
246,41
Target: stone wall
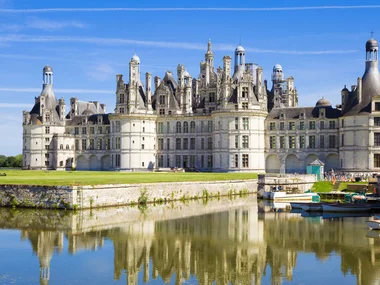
81,197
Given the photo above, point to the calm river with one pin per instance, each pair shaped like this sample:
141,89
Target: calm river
237,241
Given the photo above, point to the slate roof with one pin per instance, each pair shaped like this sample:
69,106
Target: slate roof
309,112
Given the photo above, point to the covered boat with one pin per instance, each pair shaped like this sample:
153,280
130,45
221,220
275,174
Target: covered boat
346,208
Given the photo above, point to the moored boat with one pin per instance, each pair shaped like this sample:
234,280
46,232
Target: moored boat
283,196
297,205
347,208
312,207
374,224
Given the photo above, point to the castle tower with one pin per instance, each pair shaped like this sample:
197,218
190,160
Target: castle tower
148,90
239,59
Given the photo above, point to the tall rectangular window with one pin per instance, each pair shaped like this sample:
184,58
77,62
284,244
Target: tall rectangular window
168,144
377,121
321,125
76,144
282,126
377,139
84,144
292,126
118,143
160,144
311,141
272,126
245,123
160,127
312,125
76,130
342,139
245,142
282,142
331,124
376,160
84,130
192,143
202,126
244,106
272,142
332,143
100,144
322,141
302,141
178,161
92,130
177,143
209,161
209,126
292,142
236,160
302,125
244,93
168,127
236,123
92,144
160,161
236,141
202,143
107,144
377,106
47,130
209,143
185,143
245,160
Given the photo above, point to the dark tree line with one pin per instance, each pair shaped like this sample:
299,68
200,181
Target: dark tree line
11,161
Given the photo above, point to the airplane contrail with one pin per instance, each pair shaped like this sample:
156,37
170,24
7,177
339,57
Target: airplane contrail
45,10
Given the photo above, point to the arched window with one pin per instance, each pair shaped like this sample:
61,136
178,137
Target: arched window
185,127
178,127
61,146
67,146
192,127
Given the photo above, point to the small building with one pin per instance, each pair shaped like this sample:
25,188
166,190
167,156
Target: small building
316,167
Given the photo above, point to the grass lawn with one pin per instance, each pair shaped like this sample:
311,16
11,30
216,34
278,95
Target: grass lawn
327,186
53,178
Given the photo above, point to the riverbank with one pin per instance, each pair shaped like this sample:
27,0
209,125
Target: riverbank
97,196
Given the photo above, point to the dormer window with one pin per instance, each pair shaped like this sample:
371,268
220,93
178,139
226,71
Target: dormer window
282,116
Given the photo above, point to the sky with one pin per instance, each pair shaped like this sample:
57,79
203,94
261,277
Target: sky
320,43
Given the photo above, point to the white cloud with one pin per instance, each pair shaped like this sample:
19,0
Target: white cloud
157,44
101,72
15,105
69,91
46,10
43,24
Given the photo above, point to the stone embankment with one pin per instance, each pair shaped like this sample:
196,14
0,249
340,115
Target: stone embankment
85,197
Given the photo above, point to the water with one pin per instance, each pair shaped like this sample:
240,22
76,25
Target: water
237,241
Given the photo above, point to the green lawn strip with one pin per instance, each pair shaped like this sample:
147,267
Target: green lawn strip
327,186
67,178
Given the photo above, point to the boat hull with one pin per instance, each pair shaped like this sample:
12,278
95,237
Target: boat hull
282,196
346,208
375,225
312,207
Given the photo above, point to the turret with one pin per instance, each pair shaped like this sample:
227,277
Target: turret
157,81
277,75
239,59
62,109
148,90
227,66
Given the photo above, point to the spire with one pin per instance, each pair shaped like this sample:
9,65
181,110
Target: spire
209,46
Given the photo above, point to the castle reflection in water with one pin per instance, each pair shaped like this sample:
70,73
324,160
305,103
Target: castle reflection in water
227,242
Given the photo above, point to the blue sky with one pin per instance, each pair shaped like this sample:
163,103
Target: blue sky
322,48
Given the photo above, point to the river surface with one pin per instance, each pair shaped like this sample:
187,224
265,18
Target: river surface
238,241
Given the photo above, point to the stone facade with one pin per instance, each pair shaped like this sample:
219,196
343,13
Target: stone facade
80,197
223,120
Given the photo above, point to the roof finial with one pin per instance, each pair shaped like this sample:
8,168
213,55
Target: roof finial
209,45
